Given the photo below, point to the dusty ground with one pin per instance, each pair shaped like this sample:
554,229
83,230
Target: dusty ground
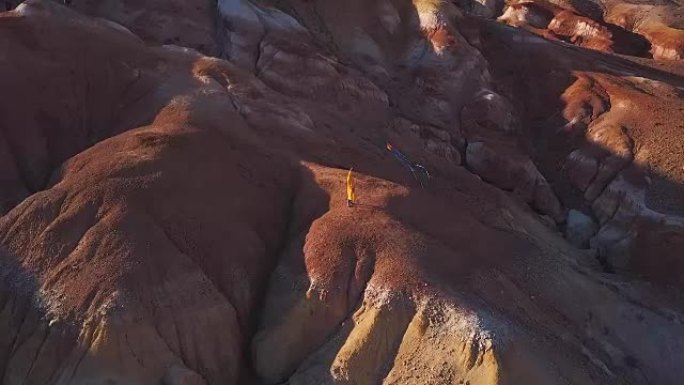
174,211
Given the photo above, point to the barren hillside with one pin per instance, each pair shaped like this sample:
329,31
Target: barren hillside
173,204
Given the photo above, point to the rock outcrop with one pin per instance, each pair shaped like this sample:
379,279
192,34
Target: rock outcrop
594,128
638,29
580,228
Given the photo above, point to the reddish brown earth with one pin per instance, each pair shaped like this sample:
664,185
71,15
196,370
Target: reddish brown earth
175,218
640,28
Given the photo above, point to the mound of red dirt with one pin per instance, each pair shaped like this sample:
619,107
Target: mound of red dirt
170,217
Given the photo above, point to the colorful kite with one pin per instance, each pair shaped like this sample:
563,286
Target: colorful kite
419,172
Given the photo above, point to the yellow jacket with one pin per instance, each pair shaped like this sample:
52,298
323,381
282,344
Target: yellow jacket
350,187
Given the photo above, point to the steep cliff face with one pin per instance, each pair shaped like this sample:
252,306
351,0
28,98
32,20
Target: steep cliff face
639,28
174,210
597,124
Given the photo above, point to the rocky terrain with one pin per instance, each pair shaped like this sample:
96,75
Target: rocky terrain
639,28
173,206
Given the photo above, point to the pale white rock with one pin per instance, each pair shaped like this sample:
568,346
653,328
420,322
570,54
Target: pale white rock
664,53
485,8
579,228
518,15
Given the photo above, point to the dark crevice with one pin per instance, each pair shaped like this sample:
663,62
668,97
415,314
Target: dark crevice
629,43
23,170
17,301
604,263
82,357
261,296
370,259
35,356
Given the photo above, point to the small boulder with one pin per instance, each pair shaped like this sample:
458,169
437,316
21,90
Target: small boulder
579,229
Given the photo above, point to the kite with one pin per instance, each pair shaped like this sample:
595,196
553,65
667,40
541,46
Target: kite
417,170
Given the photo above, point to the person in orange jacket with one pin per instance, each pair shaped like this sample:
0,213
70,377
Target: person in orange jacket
351,197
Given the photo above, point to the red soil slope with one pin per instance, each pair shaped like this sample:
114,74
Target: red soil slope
175,218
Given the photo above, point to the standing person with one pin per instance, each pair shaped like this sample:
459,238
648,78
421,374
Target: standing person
350,189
